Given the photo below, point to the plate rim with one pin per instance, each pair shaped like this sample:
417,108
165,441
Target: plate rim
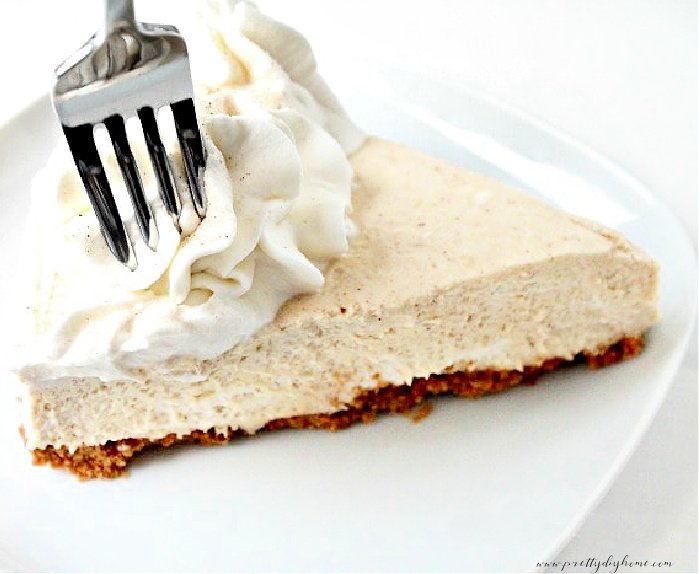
673,365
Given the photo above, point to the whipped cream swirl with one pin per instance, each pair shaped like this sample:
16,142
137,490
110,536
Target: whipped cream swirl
278,185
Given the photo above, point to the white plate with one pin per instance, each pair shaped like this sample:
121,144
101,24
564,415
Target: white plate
495,484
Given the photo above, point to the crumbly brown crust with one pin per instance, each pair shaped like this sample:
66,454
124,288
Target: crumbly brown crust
111,459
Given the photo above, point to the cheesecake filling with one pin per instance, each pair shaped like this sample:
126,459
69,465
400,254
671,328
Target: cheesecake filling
449,299
278,184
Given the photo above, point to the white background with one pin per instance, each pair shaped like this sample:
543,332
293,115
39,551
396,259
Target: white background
618,75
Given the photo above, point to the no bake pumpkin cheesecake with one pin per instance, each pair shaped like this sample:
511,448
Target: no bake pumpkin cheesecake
284,308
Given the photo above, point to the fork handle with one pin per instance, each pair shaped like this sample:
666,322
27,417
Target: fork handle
119,14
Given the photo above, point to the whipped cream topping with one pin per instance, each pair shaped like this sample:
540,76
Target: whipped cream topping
278,186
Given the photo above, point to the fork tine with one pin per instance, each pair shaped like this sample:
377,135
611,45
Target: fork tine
160,161
192,148
81,142
132,179
128,68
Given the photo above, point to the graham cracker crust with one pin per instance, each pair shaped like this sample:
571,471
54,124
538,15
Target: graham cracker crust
111,459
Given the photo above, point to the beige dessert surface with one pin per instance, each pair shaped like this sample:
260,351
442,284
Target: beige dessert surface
450,272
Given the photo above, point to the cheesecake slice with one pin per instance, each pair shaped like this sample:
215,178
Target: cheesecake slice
453,283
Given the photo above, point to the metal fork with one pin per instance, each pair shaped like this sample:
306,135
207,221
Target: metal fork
130,68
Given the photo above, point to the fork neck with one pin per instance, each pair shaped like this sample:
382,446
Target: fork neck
119,14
